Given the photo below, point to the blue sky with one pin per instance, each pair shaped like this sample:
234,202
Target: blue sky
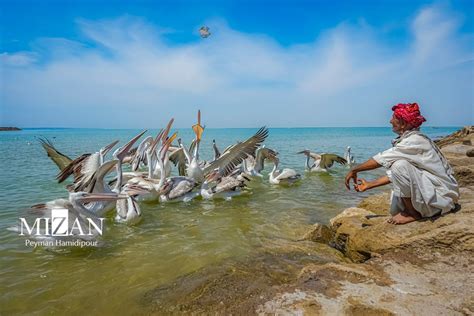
276,63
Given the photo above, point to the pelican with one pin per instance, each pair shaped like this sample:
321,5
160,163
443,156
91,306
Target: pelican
178,157
120,154
153,186
322,162
128,210
194,169
235,154
177,189
226,187
217,153
285,176
253,166
349,158
85,164
78,214
156,169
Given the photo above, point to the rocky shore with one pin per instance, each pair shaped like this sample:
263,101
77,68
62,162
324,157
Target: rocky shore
424,268
357,265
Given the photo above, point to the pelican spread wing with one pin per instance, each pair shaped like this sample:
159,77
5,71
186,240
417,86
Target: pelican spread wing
87,181
235,154
178,158
140,154
60,159
327,160
314,156
74,167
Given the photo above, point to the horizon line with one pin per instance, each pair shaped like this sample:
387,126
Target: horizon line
270,127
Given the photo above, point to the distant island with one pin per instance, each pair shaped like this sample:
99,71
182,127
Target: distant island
10,129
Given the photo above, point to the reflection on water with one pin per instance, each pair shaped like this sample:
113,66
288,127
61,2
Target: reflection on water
172,240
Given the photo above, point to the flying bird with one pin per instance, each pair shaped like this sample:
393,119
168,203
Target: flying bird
322,162
204,32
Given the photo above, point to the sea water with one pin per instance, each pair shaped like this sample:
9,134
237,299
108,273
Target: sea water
172,239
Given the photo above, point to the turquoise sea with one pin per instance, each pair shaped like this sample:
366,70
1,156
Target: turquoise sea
172,240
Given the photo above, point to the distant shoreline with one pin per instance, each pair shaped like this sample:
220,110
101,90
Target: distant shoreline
6,129
275,127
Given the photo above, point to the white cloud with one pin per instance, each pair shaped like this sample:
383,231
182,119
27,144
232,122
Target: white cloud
126,66
17,59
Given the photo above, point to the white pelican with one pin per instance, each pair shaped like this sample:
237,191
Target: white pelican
235,154
177,189
194,169
178,158
128,210
253,166
78,213
153,186
217,153
84,164
120,154
285,176
322,162
349,158
226,187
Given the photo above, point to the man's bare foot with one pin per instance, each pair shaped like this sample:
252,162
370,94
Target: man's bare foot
404,218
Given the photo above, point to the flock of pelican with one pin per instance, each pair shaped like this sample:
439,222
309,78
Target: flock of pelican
150,164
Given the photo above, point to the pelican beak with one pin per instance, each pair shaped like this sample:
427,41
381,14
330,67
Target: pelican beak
156,141
136,191
303,152
102,197
164,189
123,151
213,176
197,128
167,130
107,148
167,144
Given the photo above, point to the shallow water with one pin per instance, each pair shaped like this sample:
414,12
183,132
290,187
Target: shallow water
173,239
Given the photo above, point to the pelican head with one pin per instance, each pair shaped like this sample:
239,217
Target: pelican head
85,197
305,152
121,152
104,150
213,176
133,190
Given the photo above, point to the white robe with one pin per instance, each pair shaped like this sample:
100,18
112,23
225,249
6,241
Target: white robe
418,170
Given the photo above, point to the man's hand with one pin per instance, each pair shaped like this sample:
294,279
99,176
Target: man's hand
351,175
361,185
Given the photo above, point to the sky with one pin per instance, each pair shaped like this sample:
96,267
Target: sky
135,64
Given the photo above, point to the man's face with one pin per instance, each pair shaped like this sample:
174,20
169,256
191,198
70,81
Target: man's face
398,125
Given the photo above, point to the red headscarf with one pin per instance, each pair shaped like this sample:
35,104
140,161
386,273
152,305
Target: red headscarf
410,113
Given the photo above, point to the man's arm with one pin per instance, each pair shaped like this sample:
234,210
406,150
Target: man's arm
363,185
352,174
